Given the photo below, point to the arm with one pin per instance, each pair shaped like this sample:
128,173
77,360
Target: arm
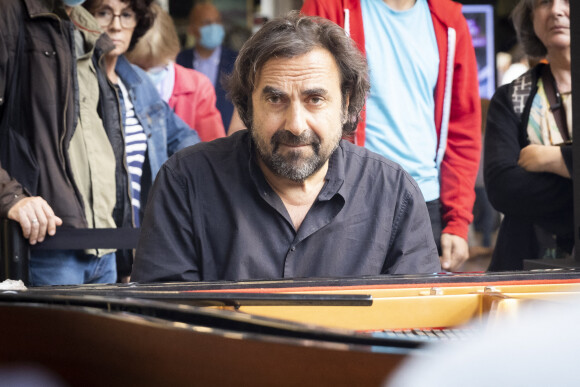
179,134
36,218
34,215
166,250
542,158
411,248
454,252
208,121
511,189
460,164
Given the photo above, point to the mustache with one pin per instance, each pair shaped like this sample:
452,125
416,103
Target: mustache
283,136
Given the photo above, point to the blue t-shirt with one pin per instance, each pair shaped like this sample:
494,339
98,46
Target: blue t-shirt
403,60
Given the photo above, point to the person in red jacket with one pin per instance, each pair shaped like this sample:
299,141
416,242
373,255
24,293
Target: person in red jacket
423,110
188,92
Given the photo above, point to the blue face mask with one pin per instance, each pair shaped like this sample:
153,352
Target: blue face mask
212,36
158,74
73,3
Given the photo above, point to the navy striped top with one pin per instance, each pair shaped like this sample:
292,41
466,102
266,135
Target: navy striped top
135,147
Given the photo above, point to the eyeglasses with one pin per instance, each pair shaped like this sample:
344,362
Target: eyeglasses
105,17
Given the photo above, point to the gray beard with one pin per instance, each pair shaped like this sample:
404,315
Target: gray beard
293,165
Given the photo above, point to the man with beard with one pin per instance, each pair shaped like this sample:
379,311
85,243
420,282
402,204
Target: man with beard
288,197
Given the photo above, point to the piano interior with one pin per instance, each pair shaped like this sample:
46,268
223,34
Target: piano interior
313,332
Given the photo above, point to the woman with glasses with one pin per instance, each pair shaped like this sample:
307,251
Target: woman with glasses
152,132
528,151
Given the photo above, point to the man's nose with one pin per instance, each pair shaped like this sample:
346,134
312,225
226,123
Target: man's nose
296,119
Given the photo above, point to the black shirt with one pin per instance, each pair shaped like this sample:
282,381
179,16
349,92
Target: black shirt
212,216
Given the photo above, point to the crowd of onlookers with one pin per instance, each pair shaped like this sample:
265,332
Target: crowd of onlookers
97,95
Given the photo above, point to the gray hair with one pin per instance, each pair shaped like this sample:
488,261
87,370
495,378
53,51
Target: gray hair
294,35
523,19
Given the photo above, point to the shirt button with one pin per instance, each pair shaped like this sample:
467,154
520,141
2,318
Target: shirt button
292,248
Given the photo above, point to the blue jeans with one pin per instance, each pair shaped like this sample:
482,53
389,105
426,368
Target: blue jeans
71,267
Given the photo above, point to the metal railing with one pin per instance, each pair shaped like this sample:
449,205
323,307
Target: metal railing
15,249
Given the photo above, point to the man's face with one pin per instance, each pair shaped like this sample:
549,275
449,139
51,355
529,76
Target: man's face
205,14
297,113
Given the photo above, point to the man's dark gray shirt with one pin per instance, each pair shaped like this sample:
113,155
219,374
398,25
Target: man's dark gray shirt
212,216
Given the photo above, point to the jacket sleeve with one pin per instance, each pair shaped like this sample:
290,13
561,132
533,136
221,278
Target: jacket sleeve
10,190
166,250
179,134
567,153
412,249
461,161
512,190
208,120
326,9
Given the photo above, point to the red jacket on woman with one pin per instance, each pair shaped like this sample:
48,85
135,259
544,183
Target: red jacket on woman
193,100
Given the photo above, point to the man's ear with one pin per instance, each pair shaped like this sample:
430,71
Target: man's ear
346,105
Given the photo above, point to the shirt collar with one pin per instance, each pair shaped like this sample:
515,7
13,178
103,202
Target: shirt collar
213,58
335,175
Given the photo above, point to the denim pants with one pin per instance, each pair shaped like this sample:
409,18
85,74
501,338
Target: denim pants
71,267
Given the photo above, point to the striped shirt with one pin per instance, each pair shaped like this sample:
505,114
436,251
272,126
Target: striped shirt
135,147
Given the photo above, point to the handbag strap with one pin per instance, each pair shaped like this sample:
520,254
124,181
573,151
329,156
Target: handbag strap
555,100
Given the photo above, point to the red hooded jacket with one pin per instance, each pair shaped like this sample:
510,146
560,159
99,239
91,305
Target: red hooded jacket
457,103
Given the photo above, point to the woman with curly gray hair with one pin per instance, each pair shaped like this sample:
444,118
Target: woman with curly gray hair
528,155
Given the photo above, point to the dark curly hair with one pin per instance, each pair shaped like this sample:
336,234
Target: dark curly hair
143,12
294,35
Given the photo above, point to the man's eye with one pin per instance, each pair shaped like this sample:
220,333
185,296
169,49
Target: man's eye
316,100
127,15
274,99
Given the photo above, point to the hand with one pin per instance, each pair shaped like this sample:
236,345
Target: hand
35,217
543,158
454,251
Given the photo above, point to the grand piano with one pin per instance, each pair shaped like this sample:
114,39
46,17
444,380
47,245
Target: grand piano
317,331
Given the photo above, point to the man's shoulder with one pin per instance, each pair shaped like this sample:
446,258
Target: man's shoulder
363,162
227,59
355,153
16,9
229,53
220,154
185,58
